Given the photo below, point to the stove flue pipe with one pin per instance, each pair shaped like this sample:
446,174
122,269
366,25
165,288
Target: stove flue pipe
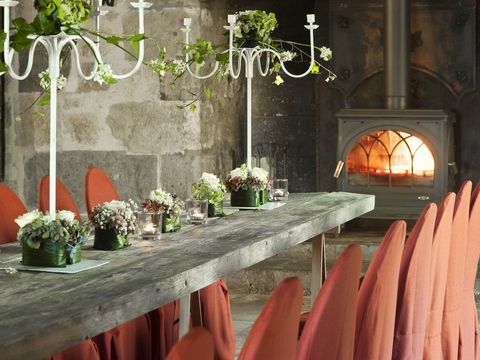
397,53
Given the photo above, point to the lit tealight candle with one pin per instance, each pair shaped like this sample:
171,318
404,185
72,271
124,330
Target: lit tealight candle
279,193
311,18
197,215
149,229
232,19
187,21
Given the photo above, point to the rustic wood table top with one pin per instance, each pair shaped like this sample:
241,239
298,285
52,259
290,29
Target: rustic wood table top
42,313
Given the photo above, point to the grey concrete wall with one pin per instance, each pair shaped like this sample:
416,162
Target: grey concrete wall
133,129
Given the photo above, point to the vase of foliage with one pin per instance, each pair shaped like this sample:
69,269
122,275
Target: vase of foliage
114,221
47,242
210,188
171,206
247,186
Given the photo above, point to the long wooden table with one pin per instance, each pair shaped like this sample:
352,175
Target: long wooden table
43,313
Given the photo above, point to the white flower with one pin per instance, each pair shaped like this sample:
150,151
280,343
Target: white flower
45,81
325,53
65,215
287,56
211,179
104,74
240,172
28,218
178,67
260,174
159,66
278,80
161,197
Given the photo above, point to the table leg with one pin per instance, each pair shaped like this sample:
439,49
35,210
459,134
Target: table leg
184,323
319,266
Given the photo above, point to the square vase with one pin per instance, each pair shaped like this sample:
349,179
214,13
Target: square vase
215,210
170,224
245,198
107,239
74,255
49,254
264,196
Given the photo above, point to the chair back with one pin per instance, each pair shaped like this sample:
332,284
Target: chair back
164,325
414,282
11,207
64,200
456,272
197,344
440,253
329,332
216,317
469,338
86,350
130,340
98,189
274,333
377,298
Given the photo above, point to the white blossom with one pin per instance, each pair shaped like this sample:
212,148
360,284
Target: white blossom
65,215
211,179
178,67
325,53
104,74
241,172
28,218
260,174
287,56
45,81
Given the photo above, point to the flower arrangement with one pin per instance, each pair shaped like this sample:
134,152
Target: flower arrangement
248,187
210,188
51,242
171,206
255,28
113,222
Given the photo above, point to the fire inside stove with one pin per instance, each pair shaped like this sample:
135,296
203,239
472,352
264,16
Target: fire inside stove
390,158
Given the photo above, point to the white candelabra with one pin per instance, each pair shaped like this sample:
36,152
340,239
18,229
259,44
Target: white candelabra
54,44
250,56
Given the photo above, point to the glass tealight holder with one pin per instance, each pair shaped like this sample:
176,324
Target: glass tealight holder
197,211
280,190
149,225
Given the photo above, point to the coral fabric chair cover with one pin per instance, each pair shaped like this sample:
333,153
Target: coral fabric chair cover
377,298
131,340
164,325
329,332
197,344
216,317
414,282
11,207
440,252
274,333
64,198
98,189
456,272
469,339
87,350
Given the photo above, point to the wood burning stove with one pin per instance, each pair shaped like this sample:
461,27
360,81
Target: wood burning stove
400,155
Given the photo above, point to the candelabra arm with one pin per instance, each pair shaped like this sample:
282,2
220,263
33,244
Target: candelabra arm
187,30
141,6
263,71
241,53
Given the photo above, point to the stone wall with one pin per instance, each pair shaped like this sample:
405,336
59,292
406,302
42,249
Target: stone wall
134,130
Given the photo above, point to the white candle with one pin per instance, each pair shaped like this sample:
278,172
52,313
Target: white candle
149,229
311,18
197,215
279,193
187,21
232,19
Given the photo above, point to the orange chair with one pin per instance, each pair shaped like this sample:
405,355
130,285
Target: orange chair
413,298
11,207
440,253
469,338
197,344
274,333
164,324
329,332
216,317
456,272
377,298
98,189
131,340
64,200
87,350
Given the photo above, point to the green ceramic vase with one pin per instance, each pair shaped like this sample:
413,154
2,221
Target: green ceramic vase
74,254
215,210
264,196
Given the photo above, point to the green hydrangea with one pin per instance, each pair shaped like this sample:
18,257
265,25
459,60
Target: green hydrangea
64,12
